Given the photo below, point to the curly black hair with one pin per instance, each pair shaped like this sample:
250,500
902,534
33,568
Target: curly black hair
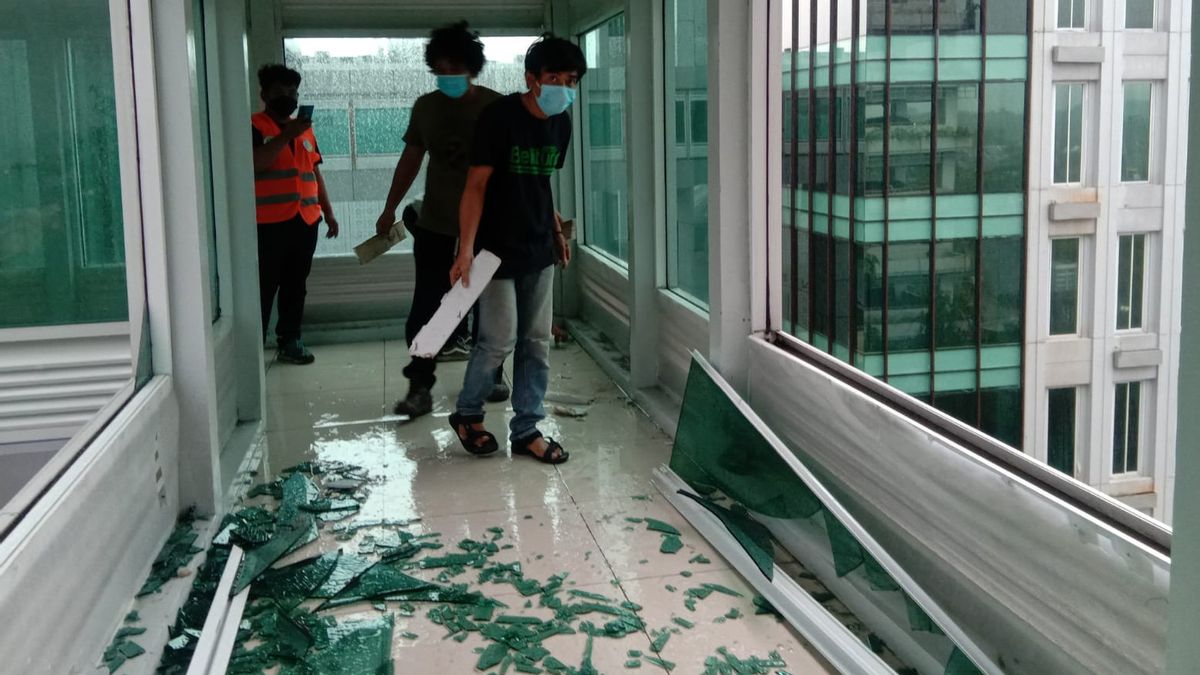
553,54
277,73
458,45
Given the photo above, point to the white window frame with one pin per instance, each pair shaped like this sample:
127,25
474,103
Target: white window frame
1145,461
1079,313
1144,319
1083,22
1150,163
1154,17
1083,145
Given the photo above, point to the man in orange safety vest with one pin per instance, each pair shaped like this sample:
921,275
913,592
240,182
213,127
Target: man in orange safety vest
290,200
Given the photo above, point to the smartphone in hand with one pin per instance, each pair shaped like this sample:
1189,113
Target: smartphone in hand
305,112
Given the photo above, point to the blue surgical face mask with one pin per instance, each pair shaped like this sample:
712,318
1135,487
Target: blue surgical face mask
453,86
555,99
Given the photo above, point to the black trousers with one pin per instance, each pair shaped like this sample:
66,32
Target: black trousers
285,253
433,256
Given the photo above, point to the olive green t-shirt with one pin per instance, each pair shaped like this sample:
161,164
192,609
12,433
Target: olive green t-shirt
445,127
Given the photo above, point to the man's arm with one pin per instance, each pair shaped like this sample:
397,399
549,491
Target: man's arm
326,205
469,211
265,154
406,172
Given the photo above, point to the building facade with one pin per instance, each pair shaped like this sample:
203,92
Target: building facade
982,209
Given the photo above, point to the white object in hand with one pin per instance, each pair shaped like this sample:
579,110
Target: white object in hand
379,244
455,305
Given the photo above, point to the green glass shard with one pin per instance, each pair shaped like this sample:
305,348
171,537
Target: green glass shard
700,560
960,664
660,641
671,544
685,574
519,620
661,663
355,647
754,537
132,617
298,491
590,596
671,588
762,606
484,612
660,526
326,505
455,560
633,664
634,653
347,569
383,579
716,445
256,561
683,623
310,467
635,520
177,552
722,589
879,578
848,554
129,632
734,613
918,620
289,586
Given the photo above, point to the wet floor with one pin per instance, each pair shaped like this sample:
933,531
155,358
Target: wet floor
577,518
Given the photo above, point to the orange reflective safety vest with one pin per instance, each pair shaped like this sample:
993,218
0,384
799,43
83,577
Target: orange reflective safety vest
289,186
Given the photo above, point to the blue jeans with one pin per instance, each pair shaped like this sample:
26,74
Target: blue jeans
514,318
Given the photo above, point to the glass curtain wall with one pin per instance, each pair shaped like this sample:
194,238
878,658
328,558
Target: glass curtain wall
364,90
904,196
687,147
605,172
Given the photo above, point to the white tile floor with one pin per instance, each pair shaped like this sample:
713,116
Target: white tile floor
570,518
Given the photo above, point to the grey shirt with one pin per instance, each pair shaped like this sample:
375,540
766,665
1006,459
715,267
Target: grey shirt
445,128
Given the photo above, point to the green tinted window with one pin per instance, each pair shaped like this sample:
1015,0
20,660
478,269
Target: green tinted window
911,138
1060,430
1003,127
956,293
1068,133
687,163
1064,286
1127,425
958,138
1131,271
331,126
1135,133
605,169
62,237
908,297
1001,305
380,131
1139,14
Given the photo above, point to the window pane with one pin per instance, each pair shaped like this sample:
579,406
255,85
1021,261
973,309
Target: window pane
62,236
1060,430
1000,414
911,17
1139,14
605,177
687,231
363,90
820,290
1064,286
1068,123
1003,121
1135,133
910,139
1127,427
958,138
959,16
871,124
841,289
1002,307
206,162
955,293
961,405
1070,13
869,270
1006,18
908,297
1130,281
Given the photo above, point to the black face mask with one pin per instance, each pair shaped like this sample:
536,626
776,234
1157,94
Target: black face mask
282,106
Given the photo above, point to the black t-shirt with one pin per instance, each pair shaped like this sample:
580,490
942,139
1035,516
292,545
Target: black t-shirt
517,223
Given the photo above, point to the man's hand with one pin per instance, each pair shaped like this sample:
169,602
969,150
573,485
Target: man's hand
383,226
293,128
563,248
332,223
462,268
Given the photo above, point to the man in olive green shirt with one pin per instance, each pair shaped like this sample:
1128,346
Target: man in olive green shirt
443,125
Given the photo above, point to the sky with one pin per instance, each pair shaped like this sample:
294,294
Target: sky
497,49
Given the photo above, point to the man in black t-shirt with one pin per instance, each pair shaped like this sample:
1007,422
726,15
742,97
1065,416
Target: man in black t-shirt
508,209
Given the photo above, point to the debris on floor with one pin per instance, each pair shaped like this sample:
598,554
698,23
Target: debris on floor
175,555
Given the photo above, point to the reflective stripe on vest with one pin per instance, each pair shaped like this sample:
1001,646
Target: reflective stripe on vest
289,186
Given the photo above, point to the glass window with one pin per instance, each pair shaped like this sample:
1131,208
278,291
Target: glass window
909,17
1000,414
62,236
1135,133
1006,18
911,135
1071,13
1064,286
958,16
1139,14
958,138
820,290
687,163
955,293
871,125
1001,295
1060,429
605,173
908,296
1003,121
1127,426
1068,133
869,286
364,90
1131,269
206,161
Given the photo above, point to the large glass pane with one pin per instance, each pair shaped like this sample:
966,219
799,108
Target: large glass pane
908,297
911,133
1000,414
1135,133
62,241
1139,14
1060,430
842,308
958,138
913,17
1003,136
368,86
606,175
1001,303
1006,18
955,293
1071,13
959,17
1131,269
1127,427
820,289
871,128
206,162
687,86
1068,132
869,291
1064,286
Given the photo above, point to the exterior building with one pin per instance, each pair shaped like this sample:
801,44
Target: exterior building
957,224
